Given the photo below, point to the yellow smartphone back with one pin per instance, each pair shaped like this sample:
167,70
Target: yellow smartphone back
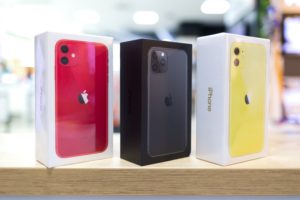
247,98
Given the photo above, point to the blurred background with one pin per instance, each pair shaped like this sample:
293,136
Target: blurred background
170,20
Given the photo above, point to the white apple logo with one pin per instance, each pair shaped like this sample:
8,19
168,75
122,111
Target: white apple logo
83,97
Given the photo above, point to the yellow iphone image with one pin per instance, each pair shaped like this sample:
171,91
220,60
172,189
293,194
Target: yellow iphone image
248,63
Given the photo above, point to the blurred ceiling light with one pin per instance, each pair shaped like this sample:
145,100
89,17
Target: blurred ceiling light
145,17
87,17
16,21
215,7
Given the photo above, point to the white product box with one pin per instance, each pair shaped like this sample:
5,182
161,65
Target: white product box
74,96
232,98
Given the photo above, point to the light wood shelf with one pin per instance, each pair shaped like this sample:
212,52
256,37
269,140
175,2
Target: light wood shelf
277,174
283,8
291,10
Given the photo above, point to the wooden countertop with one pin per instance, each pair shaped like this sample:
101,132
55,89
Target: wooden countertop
277,174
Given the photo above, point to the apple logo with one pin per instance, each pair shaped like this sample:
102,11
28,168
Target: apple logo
247,99
83,97
169,100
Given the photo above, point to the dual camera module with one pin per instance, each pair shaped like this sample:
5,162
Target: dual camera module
64,49
159,61
236,61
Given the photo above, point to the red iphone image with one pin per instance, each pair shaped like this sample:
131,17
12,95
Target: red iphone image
81,98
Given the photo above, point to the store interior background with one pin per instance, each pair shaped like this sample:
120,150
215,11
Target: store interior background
171,20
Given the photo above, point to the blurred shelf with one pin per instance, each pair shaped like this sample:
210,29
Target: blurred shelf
277,174
291,10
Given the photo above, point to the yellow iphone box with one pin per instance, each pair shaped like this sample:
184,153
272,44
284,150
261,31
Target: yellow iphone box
232,98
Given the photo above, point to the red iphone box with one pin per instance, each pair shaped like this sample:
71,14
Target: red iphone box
73,98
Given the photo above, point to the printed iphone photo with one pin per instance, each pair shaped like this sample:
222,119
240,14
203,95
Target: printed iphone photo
167,101
155,101
232,72
73,101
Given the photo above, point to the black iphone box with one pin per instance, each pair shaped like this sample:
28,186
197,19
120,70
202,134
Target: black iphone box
156,79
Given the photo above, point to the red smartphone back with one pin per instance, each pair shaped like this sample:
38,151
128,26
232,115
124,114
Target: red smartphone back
81,86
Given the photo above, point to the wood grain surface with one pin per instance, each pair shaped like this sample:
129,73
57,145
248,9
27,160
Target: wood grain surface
277,174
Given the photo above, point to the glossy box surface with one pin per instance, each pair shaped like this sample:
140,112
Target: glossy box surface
155,101
247,98
232,98
81,124
73,98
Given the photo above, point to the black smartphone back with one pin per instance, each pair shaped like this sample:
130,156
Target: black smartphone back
167,101
155,101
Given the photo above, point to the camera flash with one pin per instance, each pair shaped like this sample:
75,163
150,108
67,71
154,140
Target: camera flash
162,54
73,55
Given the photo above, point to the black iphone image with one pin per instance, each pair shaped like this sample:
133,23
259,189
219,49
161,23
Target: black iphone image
167,101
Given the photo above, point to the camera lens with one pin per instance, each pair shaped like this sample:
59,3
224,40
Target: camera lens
163,62
64,49
64,60
236,51
155,67
236,62
154,55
